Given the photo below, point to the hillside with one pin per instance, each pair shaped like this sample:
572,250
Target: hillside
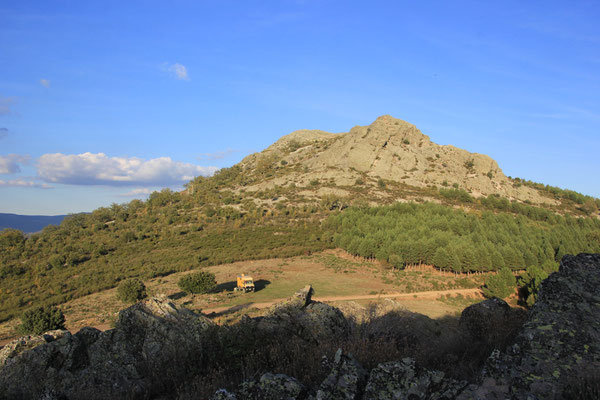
284,202
28,223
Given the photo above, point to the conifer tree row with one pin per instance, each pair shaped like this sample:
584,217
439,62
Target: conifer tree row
454,240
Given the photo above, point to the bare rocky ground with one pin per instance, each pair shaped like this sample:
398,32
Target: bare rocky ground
156,345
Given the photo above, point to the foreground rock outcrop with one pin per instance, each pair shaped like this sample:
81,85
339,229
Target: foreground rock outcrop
555,355
129,361
302,317
404,380
559,342
489,319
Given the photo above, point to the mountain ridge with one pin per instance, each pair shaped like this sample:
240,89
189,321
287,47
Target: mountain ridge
28,223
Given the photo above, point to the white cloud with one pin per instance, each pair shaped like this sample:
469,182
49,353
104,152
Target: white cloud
179,72
139,192
217,155
3,133
10,164
99,169
5,104
45,83
24,183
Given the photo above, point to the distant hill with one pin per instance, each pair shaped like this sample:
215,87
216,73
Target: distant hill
29,223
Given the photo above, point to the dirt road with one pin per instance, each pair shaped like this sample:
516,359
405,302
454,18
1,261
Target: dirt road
432,295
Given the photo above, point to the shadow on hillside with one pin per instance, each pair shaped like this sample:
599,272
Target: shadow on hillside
261,284
177,296
230,310
230,286
225,287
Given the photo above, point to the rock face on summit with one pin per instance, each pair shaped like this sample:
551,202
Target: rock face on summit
390,149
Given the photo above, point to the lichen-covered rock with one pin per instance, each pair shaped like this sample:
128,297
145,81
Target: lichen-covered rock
126,362
273,387
268,387
402,380
301,317
482,318
345,381
303,297
24,343
560,338
223,394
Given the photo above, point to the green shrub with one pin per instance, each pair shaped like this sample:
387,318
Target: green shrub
198,282
501,285
131,290
41,319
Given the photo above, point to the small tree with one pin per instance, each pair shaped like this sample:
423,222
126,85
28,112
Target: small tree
501,285
131,290
441,258
198,282
41,319
396,261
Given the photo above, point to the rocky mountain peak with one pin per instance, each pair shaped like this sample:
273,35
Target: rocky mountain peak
388,149
386,127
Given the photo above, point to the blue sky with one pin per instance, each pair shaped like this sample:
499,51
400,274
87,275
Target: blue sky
101,102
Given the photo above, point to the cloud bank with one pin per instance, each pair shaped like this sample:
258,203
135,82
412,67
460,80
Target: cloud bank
10,164
99,169
24,183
